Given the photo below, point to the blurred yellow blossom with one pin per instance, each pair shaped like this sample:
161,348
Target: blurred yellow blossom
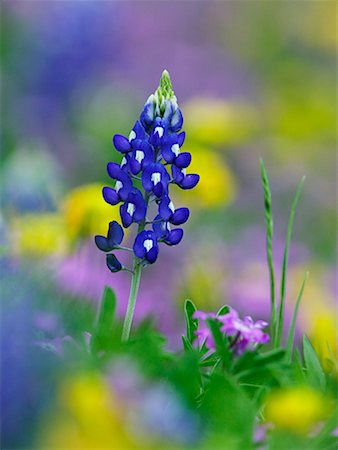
318,317
214,122
88,417
86,213
38,235
324,337
296,409
217,185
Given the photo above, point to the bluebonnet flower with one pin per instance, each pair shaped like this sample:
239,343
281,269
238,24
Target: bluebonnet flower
113,240
145,246
153,144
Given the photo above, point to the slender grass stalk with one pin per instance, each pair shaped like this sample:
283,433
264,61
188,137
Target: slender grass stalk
285,263
291,336
269,235
135,284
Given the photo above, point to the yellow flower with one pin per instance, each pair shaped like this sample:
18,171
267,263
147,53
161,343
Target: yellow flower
318,317
88,417
38,235
217,186
323,335
210,121
296,409
86,213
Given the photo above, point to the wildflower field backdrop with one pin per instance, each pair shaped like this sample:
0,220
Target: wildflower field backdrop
168,275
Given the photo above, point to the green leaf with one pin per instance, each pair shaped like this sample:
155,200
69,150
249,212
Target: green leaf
103,330
291,336
269,235
191,323
221,343
224,310
285,262
315,373
186,344
270,357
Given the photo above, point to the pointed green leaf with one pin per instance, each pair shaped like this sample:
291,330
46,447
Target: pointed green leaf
103,329
221,343
191,323
269,236
223,310
291,336
315,373
285,262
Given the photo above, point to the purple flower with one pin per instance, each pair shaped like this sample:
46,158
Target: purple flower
146,247
246,334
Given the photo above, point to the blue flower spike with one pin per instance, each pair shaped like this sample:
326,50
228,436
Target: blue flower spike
152,162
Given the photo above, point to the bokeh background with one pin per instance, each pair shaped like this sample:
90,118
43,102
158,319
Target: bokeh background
253,79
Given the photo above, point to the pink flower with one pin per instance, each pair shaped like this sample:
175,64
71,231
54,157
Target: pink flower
246,334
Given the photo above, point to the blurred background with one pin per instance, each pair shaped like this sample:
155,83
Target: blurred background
253,79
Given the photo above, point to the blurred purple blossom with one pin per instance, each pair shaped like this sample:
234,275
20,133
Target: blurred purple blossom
246,333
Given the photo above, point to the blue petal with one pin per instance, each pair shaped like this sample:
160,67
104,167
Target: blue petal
181,138
139,130
113,263
158,189
102,243
183,160
190,181
177,120
164,210
181,215
138,246
151,256
159,227
167,153
146,178
174,237
121,143
115,233
148,115
126,218
110,195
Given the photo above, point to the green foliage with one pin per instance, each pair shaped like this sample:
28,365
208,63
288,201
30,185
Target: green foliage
191,323
269,236
101,340
285,262
291,336
314,371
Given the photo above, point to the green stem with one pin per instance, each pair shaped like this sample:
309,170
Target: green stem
135,284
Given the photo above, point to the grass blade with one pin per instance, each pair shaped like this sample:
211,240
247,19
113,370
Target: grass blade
191,323
291,336
269,235
315,373
285,262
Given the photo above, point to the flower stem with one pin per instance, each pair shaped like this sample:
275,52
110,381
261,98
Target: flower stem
135,283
